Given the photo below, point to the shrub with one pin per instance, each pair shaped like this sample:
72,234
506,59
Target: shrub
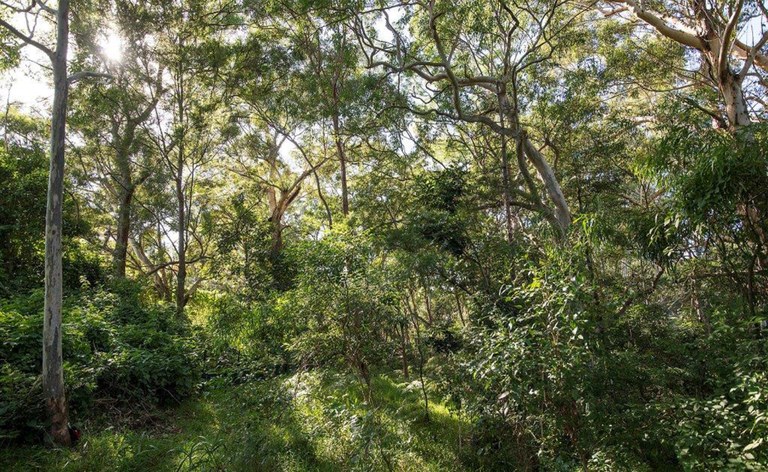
117,347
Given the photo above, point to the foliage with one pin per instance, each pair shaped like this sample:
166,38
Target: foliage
313,235
119,349
296,423
343,302
23,180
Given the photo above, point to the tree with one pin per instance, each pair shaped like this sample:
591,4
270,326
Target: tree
473,59
349,106
53,367
111,120
712,30
188,128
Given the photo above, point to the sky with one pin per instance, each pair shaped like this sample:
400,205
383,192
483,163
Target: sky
29,86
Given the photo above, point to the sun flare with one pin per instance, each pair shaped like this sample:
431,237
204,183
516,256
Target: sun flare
112,46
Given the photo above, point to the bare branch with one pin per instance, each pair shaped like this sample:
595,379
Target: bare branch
27,39
77,76
752,56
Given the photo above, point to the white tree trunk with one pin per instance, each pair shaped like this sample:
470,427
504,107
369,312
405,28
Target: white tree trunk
53,368
735,103
551,184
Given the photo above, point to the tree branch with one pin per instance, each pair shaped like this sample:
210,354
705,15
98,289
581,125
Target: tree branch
751,56
682,37
28,40
725,41
77,76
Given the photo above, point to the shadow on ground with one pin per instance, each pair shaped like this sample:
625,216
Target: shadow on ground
302,423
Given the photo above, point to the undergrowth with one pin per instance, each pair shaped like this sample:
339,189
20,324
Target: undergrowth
316,421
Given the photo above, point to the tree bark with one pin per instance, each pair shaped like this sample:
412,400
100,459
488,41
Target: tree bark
551,185
277,210
505,173
274,205
53,367
181,275
561,216
127,185
276,247
733,96
343,165
123,231
342,155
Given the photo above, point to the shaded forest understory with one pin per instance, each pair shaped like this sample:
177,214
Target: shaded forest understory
285,423
395,235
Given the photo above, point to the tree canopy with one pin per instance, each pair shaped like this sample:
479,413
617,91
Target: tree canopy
384,235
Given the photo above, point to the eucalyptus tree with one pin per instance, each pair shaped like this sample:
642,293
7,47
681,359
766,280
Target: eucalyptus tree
117,153
188,129
264,159
334,64
473,62
725,43
350,108
275,149
34,14
717,33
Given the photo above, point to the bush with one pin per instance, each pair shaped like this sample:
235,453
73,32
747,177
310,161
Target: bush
343,302
117,347
555,384
23,183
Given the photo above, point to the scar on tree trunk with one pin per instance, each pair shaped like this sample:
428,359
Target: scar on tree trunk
57,411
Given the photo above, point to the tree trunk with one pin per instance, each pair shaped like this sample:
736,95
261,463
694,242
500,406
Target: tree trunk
404,349
341,154
123,231
181,275
505,182
735,103
728,83
551,185
53,367
561,218
276,247
275,206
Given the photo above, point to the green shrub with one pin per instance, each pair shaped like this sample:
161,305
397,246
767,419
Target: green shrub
553,381
116,346
21,410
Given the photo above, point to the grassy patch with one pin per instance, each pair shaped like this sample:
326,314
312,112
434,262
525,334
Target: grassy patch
300,423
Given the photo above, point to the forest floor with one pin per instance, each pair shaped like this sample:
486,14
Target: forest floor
300,423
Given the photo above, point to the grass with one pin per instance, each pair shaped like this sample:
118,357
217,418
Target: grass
307,422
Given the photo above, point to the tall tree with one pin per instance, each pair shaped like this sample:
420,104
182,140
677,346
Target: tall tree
116,152
53,366
189,124
713,30
476,62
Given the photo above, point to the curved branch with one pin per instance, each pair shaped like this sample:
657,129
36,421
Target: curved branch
725,41
661,25
27,39
77,76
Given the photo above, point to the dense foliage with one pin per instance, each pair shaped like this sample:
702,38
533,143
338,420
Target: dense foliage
121,352
388,235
